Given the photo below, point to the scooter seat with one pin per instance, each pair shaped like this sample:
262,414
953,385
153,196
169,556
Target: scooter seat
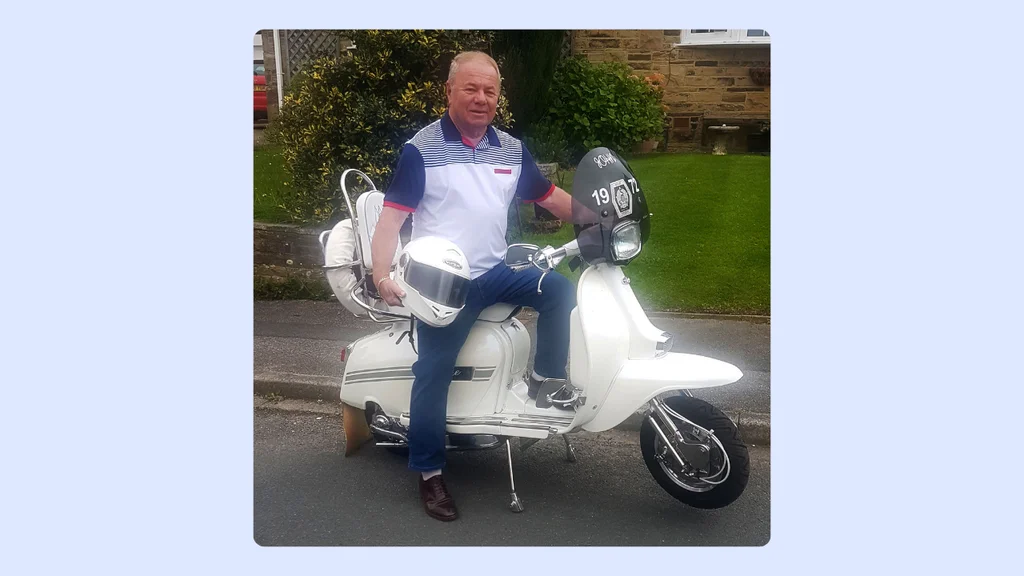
499,312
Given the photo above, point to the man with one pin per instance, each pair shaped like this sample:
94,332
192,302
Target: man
459,175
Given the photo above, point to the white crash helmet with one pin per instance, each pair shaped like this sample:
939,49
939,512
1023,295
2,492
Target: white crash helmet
434,273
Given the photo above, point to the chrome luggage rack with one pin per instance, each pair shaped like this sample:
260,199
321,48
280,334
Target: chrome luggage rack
365,274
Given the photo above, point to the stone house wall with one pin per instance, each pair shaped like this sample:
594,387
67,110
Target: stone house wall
704,84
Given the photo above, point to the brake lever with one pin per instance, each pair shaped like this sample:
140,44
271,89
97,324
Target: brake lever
539,282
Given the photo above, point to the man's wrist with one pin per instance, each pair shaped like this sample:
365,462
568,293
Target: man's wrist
385,277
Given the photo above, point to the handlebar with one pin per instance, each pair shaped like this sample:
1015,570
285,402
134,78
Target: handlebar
547,258
552,257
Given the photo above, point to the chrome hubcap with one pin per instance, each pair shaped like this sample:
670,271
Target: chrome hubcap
688,477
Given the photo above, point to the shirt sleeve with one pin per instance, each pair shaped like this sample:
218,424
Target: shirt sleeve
533,186
406,189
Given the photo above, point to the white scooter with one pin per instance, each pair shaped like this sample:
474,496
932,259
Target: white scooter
619,363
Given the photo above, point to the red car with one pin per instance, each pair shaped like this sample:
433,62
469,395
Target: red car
259,92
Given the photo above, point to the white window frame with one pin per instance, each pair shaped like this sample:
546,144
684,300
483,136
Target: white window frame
727,37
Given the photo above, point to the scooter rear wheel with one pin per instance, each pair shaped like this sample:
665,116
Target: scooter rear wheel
690,490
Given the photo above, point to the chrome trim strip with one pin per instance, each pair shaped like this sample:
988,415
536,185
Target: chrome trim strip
547,429
400,374
564,422
545,417
389,369
385,379
507,423
473,419
461,422
478,373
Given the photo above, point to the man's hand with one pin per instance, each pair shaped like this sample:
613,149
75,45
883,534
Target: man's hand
390,292
385,240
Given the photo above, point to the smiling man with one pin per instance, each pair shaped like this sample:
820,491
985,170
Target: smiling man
459,175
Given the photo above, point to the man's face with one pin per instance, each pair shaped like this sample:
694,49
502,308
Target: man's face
473,94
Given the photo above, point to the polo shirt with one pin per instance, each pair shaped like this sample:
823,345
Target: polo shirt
462,192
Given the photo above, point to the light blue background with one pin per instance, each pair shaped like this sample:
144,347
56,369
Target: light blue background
896,242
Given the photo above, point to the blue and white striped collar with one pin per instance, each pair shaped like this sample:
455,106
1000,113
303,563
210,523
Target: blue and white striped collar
452,134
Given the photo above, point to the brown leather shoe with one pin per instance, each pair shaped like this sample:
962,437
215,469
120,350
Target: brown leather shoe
437,500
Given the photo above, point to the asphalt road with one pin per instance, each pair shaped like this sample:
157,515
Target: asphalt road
306,493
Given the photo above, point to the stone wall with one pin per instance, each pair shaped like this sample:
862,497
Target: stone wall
705,84
282,251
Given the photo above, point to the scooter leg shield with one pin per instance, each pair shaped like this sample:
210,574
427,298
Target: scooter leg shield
357,432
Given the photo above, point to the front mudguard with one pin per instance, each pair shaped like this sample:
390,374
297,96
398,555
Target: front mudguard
640,380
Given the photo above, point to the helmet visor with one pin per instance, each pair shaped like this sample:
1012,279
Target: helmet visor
437,285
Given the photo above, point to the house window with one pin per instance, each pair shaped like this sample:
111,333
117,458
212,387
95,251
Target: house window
717,37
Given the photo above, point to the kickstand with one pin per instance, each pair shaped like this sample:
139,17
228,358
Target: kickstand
515,505
570,452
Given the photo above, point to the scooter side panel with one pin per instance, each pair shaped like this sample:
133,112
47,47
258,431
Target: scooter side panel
485,354
641,380
599,323
379,369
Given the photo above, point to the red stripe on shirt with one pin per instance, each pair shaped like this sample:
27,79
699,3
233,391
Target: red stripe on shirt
545,196
399,206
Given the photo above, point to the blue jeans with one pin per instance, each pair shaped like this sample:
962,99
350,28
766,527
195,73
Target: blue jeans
439,347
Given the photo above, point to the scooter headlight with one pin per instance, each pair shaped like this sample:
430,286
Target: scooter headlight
626,240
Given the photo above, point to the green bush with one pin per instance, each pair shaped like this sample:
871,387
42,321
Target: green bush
547,143
604,104
357,111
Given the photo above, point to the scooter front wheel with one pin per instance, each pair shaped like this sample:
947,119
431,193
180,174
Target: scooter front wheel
717,479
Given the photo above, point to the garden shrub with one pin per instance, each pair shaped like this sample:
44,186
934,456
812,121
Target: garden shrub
604,104
547,143
356,111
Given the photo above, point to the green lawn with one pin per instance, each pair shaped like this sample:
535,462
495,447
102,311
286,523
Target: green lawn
709,249
269,182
